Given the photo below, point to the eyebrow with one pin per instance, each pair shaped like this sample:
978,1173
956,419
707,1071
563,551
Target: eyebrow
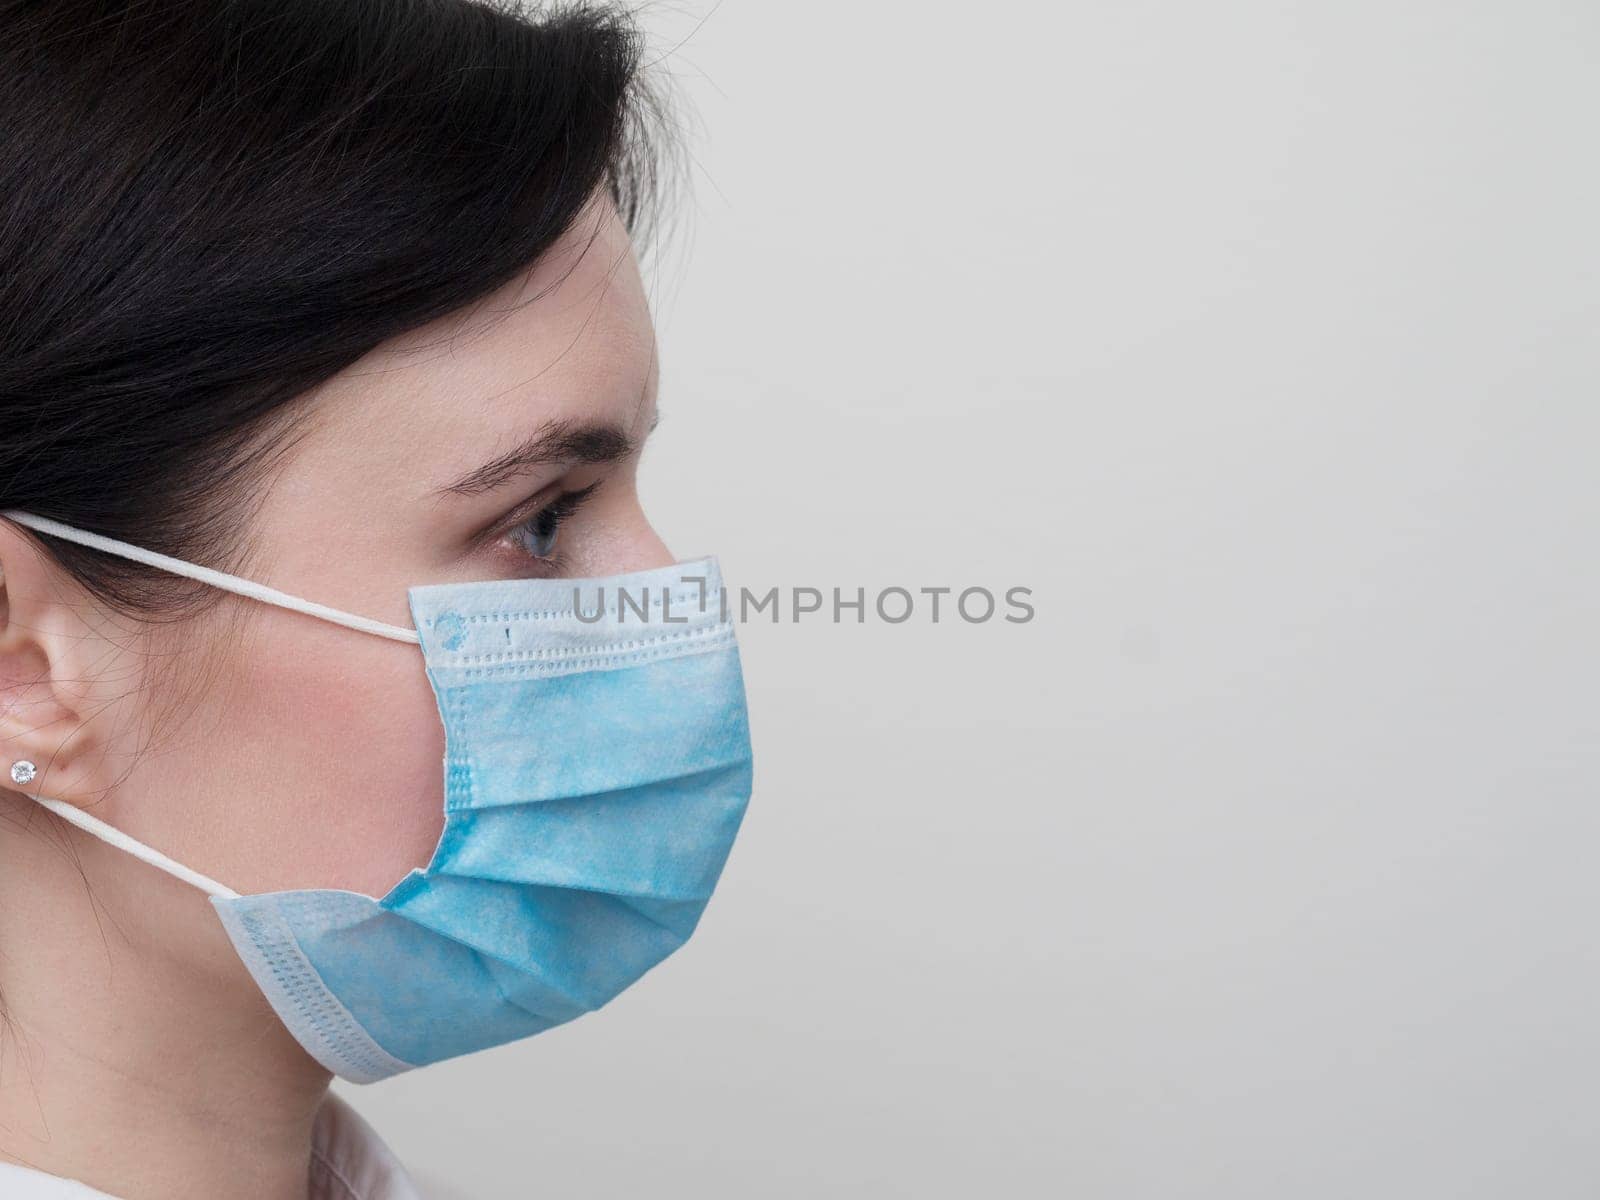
556,441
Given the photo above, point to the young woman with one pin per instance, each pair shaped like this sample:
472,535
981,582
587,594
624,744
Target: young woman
352,714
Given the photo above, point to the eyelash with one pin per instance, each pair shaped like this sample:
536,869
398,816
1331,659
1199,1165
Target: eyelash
551,516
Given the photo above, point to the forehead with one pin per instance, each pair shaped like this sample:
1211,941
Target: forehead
571,337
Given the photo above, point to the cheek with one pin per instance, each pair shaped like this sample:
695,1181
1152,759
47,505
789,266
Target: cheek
336,775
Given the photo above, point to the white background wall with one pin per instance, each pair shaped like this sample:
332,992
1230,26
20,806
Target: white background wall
1259,340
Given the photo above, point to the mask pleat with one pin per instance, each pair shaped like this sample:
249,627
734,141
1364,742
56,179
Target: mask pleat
596,732
591,942
667,840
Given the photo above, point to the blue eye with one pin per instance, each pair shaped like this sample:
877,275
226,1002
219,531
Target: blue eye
537,535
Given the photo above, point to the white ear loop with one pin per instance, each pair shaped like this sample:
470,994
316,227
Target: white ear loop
232,583
115,837
221,579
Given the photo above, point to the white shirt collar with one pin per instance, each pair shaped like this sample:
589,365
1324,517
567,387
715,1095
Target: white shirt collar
349,1161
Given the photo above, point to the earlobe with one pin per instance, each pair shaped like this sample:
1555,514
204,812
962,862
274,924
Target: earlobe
45,691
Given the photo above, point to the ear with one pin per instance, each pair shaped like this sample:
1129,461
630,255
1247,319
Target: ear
60,674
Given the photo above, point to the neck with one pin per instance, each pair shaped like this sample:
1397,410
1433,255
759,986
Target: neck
140,1058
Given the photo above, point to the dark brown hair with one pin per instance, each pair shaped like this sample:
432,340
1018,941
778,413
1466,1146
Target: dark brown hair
207,207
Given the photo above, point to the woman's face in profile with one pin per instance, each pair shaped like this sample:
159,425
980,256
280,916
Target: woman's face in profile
488,444
260,196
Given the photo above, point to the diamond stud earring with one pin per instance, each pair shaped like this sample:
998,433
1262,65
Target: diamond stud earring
22,771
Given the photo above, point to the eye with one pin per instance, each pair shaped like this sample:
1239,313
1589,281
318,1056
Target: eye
538,534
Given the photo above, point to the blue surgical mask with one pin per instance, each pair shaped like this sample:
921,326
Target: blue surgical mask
596,770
